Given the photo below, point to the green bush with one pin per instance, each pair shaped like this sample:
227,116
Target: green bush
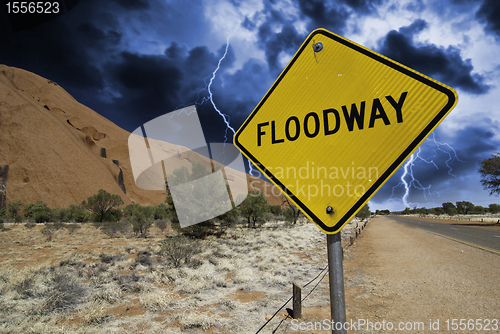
494,208
81,216
102,205
41,217
364,212
14,208
276,210
18,219
198,231
141,220
254,207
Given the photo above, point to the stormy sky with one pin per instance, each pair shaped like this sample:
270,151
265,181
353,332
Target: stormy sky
134,60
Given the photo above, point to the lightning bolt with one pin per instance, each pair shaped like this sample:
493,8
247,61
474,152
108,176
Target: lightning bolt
208,86
416,157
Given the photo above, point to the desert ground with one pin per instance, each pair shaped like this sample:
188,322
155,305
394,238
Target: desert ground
86,282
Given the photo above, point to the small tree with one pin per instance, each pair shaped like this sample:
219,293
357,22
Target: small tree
364,212
102,205
228,218
464,207
490,173
142,219
14,208
450,208
291,212
276,210
478,210
494,208
254,207
39,211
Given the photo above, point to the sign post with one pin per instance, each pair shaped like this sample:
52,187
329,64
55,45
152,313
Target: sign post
336,276
334,127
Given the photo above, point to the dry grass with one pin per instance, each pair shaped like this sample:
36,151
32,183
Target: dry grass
86,282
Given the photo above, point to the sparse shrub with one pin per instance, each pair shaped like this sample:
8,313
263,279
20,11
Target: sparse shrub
63,293
161,224
110,258
48,232
18,219
198,231
96,315
144,258
2,227
30,225
56,225
179,249
111,229
72,227
53,289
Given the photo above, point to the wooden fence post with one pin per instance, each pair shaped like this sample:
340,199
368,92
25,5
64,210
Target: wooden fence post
297,302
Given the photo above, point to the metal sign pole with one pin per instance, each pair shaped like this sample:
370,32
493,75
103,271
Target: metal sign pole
336,275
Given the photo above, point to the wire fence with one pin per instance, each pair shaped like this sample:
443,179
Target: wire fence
323,271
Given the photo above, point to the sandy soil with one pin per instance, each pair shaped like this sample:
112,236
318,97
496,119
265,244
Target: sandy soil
396,273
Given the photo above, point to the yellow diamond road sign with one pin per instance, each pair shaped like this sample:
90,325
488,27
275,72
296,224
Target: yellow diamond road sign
337,123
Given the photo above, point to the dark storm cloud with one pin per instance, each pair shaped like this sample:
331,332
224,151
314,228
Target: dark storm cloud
68,49
470,152
445,65
243,90
133,4
490,13
148,85
324,14
287,40
364,6
52,51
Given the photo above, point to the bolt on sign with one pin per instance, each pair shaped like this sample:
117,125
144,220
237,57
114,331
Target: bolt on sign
337,123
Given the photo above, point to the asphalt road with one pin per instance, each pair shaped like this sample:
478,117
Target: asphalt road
481,237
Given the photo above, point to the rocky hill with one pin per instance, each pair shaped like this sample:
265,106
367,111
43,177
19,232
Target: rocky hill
54,149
